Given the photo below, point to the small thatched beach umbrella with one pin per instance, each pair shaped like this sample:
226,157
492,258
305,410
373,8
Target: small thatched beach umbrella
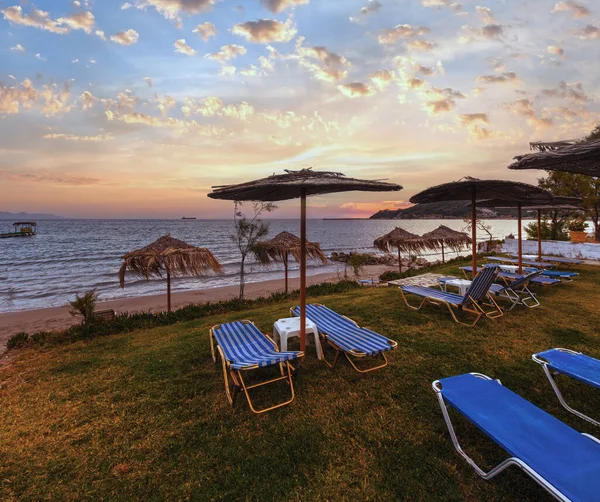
401,240
473,189
280,247
168,257
444,236
294,185
568,156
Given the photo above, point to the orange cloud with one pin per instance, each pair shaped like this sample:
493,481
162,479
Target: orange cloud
265,31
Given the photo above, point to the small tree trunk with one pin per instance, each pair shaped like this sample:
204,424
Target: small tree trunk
285,266
168,291
242,278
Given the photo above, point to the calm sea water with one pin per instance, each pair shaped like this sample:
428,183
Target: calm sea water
72,256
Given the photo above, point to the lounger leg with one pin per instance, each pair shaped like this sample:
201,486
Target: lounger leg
335,359
532,304
409,305
231,393
246,388
385,363
552,381
478,314
500,467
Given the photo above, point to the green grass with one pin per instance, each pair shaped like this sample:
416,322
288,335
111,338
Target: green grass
143,415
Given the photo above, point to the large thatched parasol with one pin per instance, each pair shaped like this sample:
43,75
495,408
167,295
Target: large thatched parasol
293,185
566,203
280,247
444,236
168,257
473,189
569,156
402,240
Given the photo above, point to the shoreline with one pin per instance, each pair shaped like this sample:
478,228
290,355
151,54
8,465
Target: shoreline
56,318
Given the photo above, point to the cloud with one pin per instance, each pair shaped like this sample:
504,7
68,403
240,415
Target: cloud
126,6
277,6
39,56
265,31
88,100
422,45
553,49
241,112
80,21
148,80
13,98
18,48
128,37
438,106
100,34
36,18
356,90
382,78
489,31
73,137
391,36
371,7
205,30
573,92
227,53
330,59
45,177
523,107
208,107
470,118
183,48
575,9
590,32
503,78
171,9
332,68
179,126
485,14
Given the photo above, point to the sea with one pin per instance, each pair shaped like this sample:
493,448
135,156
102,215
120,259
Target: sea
72,256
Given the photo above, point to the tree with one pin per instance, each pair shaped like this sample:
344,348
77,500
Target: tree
357,261
577,185
84,306
248,231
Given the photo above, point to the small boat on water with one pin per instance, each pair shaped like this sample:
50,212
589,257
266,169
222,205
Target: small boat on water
188,218
21,229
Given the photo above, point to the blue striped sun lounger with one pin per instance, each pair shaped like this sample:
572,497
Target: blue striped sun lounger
510,276
516,292
243,347
576,365
560,260
507,259
563,461
564,275
347,337
471,302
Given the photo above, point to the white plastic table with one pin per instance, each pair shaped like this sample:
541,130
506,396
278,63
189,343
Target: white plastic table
461,284
289,327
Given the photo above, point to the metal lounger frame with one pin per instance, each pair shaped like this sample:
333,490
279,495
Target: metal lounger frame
238,383
551,375
506,463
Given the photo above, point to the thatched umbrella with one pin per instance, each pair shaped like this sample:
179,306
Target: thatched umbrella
566,203
168,257
444,236
474,189
569,156
400,239
280,247
293,185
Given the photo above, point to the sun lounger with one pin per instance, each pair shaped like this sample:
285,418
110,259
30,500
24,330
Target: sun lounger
243,347
564,275
347,337
574,364
563,461
516,292
472,300
506,259
553,259
508,277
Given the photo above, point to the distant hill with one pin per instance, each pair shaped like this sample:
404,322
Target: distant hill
5,215
440,210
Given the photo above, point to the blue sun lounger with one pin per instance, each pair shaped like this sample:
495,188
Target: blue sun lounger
471,302
559,260
563,461
347,337
508,277
516,292
573,364
243,347
505,259
565,275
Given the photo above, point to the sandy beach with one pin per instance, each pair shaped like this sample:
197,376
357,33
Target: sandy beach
56,318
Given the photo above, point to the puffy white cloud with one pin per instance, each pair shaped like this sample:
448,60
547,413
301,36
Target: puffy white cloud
422,45
265,31
171,9
575,9
382,78
371,7
88,100
356,90
36,18
227,70
183,48
589,32
503,78
277,6
100,34
391,36
39,56
13,98
206,30
128,37
126,6
485,14
18,48
524,108
227,52
80,21
243,111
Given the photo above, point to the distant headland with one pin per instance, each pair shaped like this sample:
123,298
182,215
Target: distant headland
6,215
442,210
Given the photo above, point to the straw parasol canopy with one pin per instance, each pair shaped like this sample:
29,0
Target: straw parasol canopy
402,240
168,257
474,189
293,185
569,156
284,244
444,236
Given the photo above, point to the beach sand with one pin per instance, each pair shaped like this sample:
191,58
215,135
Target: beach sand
56,318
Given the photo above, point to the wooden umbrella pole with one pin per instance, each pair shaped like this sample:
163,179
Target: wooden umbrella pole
443,257
520,238
474,230
399,261
303,271
285,266
539,234
168,291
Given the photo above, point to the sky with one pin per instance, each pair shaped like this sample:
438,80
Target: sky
135,109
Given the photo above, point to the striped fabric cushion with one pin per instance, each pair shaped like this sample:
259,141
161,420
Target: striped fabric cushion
554,273
244,345
344,333
436,294
481,284
494,288
542,281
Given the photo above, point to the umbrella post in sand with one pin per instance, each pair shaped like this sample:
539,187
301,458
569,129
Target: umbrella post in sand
168,257
294,185
402,240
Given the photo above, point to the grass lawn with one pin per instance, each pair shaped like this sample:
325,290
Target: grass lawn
143,415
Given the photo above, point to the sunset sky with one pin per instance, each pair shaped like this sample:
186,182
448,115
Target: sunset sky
134,109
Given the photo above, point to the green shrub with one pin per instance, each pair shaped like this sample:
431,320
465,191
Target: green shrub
551,230
18,340
577,225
